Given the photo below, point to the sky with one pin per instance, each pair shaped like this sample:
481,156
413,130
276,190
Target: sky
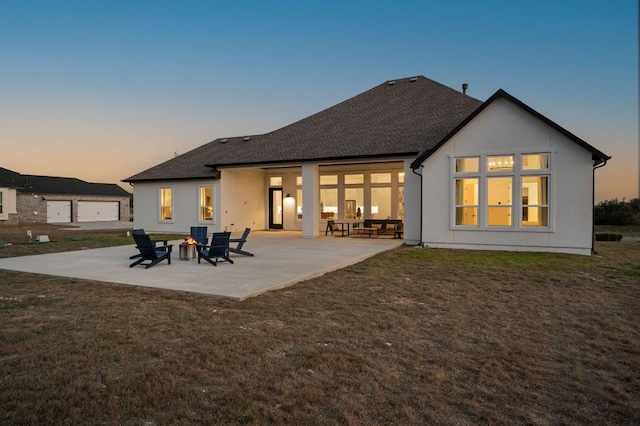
102,90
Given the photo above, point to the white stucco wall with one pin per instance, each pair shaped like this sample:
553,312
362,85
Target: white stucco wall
242,199
503,128
146,202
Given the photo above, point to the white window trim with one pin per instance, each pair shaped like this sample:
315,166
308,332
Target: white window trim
213,203
4,212
160,206
516,207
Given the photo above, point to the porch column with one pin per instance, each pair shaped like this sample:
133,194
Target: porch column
310,200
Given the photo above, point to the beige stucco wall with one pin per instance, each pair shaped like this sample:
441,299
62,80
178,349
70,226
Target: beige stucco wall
500,129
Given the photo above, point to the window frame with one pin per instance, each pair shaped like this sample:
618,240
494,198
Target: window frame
201,205
517,174
162,206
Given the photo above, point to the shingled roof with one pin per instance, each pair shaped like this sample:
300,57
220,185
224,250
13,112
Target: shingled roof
58,185
10,179
398,118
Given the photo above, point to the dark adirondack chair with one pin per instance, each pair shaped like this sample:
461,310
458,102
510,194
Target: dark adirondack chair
240,241
154,242
149,252
199,233
219,249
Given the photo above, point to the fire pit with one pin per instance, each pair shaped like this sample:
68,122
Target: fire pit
188,249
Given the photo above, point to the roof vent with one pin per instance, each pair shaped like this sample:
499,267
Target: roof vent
224,140
413,79
246,138
465,86
391,82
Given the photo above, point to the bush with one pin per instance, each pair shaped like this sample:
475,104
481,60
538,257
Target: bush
608,237
617,213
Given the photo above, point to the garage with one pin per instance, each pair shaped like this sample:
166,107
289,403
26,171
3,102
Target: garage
58,211
98,211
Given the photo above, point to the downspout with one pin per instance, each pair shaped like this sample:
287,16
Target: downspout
593,203
421,195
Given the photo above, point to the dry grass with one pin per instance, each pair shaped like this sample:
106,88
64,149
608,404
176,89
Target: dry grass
412,336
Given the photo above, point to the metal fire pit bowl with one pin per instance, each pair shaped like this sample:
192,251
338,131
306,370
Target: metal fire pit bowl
187,251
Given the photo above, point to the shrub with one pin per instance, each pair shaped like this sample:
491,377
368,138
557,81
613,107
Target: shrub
608,237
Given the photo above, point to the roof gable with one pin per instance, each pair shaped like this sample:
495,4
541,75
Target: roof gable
597,156
398,118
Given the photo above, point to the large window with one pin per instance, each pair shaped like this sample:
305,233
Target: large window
166,204
329,196
206,204
299,197
535,190
487,190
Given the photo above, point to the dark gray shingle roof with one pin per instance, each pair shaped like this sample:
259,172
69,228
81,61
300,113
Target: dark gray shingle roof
58,185
70,186
10,179
396,118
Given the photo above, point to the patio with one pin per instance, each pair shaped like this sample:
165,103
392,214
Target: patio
282,258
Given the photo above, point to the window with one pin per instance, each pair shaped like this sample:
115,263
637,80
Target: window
329,203
354,179
275,181
507,191
464,165
354,202
1,204
328,179
499,197
299,203
166,204
299,197
466,201
380,177
206,204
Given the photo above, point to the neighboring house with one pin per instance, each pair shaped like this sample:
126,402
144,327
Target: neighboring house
458,172
30,199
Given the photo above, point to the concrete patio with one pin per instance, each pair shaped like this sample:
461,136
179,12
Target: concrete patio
282,258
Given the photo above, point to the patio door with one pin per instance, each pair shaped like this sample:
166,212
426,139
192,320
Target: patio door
275,208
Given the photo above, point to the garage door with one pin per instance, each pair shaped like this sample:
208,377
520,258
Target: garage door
98,211
58,211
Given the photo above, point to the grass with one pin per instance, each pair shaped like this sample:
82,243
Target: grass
411,336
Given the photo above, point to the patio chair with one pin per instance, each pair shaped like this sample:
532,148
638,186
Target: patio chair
154,242
149,252
199,233
219,249
240,241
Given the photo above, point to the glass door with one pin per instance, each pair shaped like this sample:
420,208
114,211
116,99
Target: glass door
275,208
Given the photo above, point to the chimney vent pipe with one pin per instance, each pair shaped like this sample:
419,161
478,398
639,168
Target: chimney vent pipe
465,86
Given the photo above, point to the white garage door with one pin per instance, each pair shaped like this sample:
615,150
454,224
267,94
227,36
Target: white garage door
58,211
98,211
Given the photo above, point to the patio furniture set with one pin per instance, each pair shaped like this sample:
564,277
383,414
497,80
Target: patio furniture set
370,228
153,252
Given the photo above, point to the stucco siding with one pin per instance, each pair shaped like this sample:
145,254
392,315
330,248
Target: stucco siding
242,199
146,201
503,128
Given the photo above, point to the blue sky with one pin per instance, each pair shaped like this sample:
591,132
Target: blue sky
101,90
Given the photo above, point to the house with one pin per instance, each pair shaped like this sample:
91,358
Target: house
48,199
457,171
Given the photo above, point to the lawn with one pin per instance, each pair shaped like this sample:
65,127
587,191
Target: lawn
411,336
